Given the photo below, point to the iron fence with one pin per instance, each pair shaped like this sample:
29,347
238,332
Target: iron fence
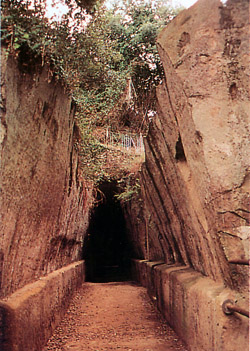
129,141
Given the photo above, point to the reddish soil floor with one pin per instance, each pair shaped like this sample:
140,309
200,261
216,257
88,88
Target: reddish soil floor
113,316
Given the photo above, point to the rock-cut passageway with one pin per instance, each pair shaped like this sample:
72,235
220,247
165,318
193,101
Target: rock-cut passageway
109,312
113,316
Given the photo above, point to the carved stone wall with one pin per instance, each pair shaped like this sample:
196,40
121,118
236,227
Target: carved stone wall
44,204
196,175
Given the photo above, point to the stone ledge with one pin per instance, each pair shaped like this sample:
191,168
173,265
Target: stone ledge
192,305
29,316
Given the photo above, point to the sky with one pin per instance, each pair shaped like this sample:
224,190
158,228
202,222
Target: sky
60,8
57,10
185,3
175,3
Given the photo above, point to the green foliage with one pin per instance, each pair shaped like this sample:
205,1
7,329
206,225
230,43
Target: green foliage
23,26
130,188
82,56
97,103
133,26
94,60
92,157
102,79
86,4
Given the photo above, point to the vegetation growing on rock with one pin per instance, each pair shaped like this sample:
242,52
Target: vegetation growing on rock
108,61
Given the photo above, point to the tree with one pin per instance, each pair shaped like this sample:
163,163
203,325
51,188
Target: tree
133,26
97,55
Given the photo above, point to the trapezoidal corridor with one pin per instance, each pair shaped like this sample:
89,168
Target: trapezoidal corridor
107,252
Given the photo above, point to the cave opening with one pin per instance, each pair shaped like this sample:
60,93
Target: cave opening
107,251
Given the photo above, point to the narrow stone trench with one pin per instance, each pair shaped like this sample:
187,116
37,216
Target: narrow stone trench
113,316
178,153
110,312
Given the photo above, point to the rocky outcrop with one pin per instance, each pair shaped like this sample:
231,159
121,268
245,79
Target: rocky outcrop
194,183
195,180
44,204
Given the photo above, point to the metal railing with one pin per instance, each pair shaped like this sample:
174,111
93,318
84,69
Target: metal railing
127,141
244,262
229,307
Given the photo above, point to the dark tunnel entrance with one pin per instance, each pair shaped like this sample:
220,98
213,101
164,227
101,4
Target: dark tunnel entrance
107,252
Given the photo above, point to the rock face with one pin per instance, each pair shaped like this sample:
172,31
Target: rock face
44,204
194,184
195,181
196,176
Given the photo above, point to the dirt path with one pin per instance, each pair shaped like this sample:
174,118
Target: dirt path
113,316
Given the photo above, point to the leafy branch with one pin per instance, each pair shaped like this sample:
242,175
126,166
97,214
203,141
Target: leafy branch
95,56
130,188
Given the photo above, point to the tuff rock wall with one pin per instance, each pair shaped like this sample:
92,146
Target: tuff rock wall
195,182
44,204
